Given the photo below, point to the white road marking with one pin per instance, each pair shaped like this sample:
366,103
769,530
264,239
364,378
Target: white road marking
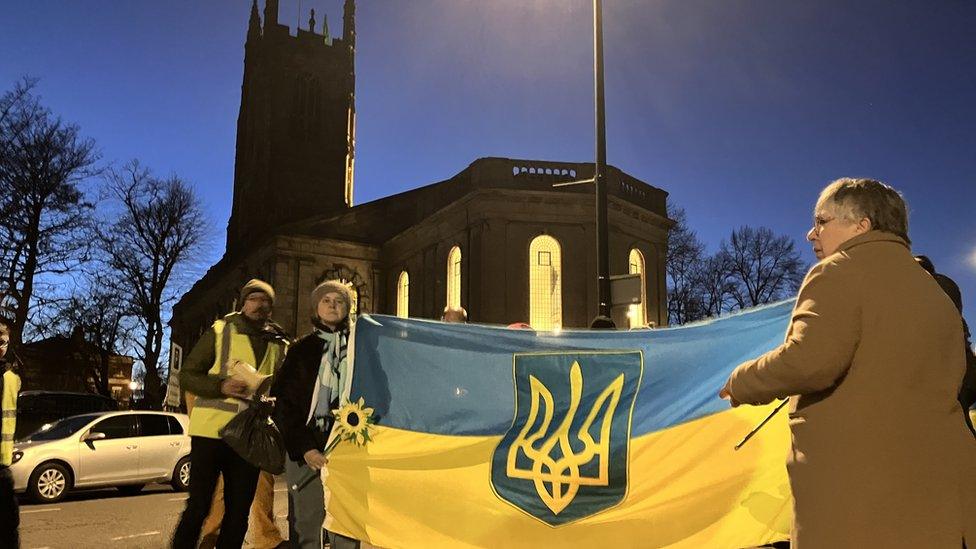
40,510
281,490
135,536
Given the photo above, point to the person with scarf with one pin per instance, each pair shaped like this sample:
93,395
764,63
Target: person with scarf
306,390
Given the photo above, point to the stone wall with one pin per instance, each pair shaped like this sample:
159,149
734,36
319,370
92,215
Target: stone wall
494,228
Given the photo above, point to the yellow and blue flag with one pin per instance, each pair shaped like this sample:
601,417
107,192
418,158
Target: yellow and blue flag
492,437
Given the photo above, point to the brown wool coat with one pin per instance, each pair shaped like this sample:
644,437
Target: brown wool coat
872,363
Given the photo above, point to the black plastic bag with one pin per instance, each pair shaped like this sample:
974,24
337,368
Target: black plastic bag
255,438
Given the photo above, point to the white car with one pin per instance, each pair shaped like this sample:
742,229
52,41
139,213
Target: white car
126,449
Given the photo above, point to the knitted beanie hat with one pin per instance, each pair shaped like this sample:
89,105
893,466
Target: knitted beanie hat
327,287
255,285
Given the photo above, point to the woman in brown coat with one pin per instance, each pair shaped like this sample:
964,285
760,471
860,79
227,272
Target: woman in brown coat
872,364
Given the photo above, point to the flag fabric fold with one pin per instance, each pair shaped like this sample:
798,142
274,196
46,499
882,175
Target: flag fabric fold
492,437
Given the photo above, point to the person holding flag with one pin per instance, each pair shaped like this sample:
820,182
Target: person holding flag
872,365
307,390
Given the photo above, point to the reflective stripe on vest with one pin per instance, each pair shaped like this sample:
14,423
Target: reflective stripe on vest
209,415
8,426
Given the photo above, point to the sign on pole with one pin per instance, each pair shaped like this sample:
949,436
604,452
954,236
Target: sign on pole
173,382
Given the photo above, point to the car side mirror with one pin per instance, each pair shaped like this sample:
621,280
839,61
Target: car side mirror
93,436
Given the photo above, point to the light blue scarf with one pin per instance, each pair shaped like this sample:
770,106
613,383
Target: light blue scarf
332,371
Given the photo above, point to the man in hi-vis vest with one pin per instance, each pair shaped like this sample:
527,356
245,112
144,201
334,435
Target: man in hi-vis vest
247,336
10,383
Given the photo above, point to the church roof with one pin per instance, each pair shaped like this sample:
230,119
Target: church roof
380,220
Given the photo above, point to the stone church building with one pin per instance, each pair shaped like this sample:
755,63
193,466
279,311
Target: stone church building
496,238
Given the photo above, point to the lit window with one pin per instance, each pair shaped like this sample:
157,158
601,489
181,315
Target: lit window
454,278
637,313
545,284
403,295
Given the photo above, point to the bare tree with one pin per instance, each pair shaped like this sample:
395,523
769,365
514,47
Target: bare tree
685,256
763,267
713,280
159,228
43,209
104,320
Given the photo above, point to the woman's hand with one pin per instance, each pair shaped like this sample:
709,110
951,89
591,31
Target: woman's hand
234,388
316,460
726,394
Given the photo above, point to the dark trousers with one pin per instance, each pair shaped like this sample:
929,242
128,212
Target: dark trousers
9,513
209,458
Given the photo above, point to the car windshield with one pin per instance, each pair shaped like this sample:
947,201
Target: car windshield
61,429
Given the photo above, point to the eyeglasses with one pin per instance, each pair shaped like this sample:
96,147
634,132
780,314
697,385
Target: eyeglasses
820,222
334,302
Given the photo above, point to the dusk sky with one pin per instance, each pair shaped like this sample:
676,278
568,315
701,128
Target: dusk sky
742,111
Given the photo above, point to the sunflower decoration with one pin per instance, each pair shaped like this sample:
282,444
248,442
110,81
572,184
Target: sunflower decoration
352,423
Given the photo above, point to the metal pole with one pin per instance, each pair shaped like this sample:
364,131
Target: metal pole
600,169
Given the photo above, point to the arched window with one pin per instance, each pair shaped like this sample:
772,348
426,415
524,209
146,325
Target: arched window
637,313
545,284
403,295
454,278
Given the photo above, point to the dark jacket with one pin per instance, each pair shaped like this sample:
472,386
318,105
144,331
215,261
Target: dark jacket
292,389
967,393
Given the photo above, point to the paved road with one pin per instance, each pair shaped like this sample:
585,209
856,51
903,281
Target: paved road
106,518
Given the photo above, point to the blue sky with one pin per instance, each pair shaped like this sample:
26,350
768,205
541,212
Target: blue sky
741,110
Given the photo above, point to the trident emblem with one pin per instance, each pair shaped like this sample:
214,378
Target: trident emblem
563,474
570,433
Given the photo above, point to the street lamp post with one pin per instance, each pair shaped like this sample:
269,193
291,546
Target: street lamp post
599,180
600,168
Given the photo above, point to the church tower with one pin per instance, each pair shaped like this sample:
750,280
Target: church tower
296,126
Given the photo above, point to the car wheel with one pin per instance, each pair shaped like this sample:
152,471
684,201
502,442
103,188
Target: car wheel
130,489
181,475
49,483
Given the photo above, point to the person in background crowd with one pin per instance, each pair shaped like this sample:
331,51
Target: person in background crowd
248,336
872,368
601,322
455,314
9,387
306,391
967,394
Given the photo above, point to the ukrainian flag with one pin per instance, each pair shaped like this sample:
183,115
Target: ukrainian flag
491,437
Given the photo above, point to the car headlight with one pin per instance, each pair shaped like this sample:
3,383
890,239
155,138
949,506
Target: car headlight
16,457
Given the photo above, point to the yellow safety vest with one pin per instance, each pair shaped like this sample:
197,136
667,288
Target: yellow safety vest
209,415
11,386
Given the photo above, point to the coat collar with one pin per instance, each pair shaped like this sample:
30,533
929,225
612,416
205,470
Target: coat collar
872,236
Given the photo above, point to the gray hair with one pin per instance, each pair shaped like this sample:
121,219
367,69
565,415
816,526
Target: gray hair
856,198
